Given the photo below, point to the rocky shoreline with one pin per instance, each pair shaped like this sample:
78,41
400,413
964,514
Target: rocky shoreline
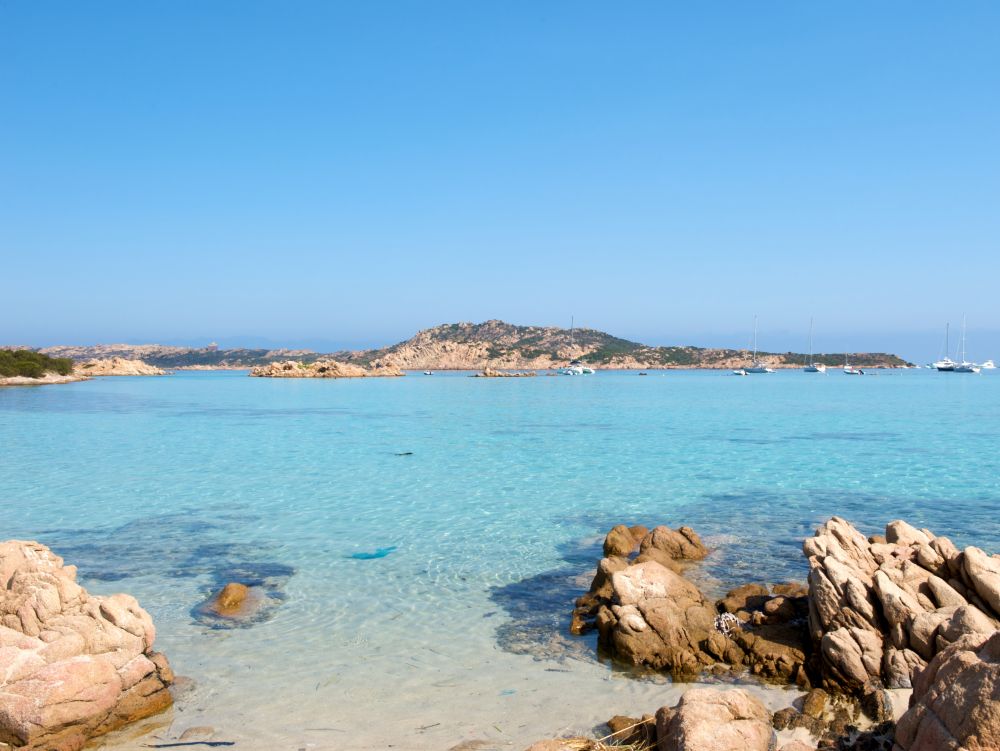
882,621
897,611
45,380
84,371
73,666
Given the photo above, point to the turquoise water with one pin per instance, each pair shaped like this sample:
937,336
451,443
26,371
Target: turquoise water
421,539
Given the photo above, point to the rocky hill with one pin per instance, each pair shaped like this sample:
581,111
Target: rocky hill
496,344
476,346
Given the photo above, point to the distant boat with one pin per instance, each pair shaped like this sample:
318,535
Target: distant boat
850,369
988,365
812,367
946,364
575,367
739,372
756,366
427,372
965,366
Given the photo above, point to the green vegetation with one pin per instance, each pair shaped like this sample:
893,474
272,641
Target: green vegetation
24,362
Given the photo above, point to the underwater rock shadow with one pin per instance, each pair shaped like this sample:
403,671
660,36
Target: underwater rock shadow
179,546
539,610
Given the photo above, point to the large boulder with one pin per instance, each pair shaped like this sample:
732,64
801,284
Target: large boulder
658,618
710,719
72,665
956,701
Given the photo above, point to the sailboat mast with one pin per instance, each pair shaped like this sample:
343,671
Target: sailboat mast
810,341
963,338
755,340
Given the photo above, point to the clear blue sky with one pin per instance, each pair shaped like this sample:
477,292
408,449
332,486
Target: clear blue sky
346,173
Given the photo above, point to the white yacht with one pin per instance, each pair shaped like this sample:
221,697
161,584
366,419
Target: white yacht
812,367
946,364
577,368
988,365
756,366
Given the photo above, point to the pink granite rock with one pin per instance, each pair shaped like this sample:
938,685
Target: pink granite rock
72,666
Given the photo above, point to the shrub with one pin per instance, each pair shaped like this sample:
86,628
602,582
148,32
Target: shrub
24,362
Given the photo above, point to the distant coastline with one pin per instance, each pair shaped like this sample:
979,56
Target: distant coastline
477,346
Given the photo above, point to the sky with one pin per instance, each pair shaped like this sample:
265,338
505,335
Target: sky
335,174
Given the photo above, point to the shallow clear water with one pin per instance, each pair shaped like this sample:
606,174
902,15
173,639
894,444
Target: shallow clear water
494,494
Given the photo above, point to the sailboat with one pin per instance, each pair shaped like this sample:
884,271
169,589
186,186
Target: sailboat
757,366
575,367
965,366
946,364
813,367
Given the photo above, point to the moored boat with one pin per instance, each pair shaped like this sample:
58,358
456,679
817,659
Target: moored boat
812,367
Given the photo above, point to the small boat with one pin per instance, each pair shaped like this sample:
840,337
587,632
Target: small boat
851,370
812,367
988,365
739,372
756,366
427,372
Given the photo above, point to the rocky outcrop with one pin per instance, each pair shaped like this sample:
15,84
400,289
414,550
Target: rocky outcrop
648,613
72,665
880,608
956,699
494,373
321,369
645,611
48,378
117,366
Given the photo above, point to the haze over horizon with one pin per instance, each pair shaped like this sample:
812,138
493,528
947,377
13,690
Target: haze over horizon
341,176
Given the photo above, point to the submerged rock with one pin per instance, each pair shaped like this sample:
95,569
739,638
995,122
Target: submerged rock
72,666
233,601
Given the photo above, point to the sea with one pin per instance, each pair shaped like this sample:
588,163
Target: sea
419,541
